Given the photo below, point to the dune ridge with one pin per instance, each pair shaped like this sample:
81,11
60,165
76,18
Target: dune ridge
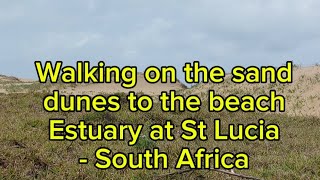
302,96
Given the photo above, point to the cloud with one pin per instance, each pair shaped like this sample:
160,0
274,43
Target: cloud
9,13
143,33
85,39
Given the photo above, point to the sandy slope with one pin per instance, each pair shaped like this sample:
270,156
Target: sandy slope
141,86
302,96
11,84
12,79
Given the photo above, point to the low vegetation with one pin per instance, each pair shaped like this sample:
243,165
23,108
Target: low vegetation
26,152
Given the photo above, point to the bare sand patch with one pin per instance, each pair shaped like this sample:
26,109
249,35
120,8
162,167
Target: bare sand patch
302,95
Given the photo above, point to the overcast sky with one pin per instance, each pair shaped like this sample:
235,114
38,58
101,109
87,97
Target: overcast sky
166,32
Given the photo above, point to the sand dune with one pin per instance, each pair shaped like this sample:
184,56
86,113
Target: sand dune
17,85
106,88
12,79
302,96
4,78
11,84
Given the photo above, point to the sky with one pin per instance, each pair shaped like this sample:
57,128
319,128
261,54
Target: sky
142,33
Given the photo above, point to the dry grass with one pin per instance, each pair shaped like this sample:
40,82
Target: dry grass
26,152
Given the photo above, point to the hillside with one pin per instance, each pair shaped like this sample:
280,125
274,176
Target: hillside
302,96
9,84
108,88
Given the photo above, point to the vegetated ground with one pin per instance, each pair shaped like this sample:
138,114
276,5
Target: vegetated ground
26,152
